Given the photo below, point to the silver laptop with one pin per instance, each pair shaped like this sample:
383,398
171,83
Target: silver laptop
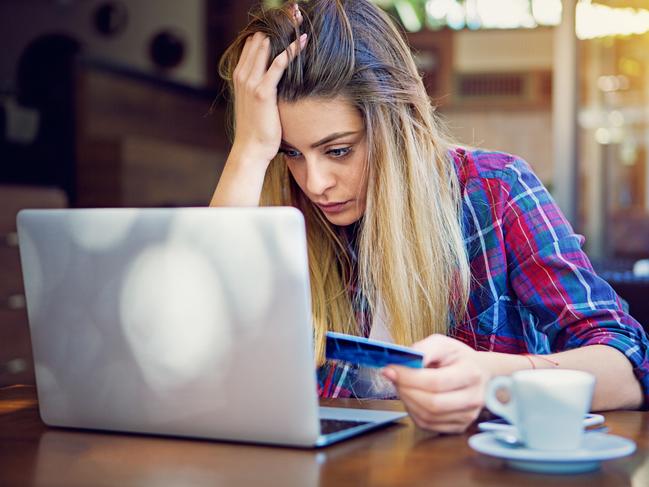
191,322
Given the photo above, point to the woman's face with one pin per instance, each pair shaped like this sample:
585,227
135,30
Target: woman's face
325,148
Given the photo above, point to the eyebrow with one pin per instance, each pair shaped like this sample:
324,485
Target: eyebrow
328,138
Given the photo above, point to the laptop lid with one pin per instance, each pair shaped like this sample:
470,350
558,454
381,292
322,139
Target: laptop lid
192,322
187,321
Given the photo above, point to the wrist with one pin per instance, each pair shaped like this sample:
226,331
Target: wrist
241,181
249,156
495,363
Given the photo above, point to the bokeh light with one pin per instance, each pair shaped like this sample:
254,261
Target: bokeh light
92,233
174,314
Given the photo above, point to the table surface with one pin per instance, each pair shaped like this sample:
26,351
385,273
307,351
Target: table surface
32,454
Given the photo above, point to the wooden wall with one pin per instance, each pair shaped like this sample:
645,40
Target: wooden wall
140,142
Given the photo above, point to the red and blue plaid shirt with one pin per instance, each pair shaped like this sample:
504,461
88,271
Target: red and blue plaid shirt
533,288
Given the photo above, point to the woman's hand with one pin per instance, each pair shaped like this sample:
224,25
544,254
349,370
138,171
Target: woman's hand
447,395
258,132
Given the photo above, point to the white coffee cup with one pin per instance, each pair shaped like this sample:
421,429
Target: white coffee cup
547,407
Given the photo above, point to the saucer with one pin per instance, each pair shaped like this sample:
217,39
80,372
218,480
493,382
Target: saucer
590,419
595,447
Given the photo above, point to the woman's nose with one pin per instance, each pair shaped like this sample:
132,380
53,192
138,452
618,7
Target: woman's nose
318,179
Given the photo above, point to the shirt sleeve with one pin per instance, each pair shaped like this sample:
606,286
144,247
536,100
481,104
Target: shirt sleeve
552,276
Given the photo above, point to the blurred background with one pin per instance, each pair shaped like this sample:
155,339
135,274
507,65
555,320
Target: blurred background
118,103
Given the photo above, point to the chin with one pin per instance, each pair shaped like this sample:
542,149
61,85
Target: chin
343,219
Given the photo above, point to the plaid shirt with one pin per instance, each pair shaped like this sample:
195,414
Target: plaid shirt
533,289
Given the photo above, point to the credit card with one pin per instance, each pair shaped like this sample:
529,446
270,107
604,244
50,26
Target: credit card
370,353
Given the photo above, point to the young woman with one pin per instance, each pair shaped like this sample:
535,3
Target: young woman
460,253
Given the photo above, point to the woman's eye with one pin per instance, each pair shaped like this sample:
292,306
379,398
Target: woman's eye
290,153
339,152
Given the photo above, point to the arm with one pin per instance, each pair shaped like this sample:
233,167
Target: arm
241,180
258,130
579,312
448,395
576,310
616,387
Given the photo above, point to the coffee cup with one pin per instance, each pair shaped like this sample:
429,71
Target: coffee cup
546,407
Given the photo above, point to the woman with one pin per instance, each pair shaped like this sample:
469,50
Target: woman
461,252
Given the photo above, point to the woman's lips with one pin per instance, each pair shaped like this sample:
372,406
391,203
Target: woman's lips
334,207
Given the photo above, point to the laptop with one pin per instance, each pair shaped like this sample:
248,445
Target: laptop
192,322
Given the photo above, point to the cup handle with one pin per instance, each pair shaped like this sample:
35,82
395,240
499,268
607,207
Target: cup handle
494,405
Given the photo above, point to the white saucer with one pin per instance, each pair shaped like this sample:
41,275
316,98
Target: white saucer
595,447
590,419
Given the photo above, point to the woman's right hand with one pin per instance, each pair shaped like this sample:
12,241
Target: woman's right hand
258,132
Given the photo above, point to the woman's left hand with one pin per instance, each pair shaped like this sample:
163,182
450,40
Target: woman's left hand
448,394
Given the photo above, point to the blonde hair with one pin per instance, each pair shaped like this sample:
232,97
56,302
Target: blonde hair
412,263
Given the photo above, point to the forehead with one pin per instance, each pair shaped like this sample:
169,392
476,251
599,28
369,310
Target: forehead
311,119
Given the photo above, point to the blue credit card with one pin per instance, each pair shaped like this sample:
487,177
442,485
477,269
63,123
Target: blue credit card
370,353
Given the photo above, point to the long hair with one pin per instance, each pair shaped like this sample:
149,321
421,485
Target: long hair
412,263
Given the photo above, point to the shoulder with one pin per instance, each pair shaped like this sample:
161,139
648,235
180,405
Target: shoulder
481,170
486,164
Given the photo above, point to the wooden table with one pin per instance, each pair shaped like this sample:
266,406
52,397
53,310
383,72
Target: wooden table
31,454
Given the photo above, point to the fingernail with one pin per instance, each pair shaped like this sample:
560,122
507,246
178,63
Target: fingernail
390,374
302,40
